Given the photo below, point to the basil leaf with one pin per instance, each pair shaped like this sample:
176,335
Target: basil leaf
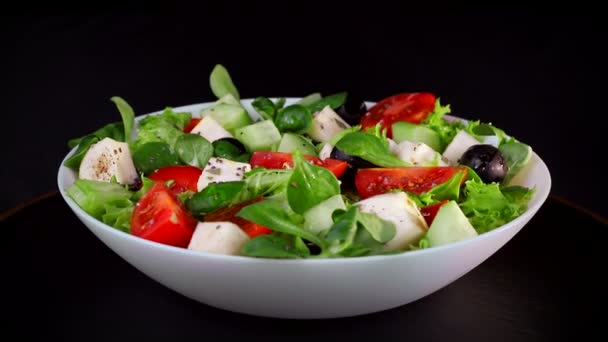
193,149
221,83
272,214
264,107
274,246
127,114
369,147
309,184
213,197
334,101
74,161
114,130
154,155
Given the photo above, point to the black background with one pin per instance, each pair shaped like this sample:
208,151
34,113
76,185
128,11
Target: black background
539,76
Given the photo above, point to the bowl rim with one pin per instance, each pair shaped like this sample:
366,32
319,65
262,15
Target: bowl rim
536,203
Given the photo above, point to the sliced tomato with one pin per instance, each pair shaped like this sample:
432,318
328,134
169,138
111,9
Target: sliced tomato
184,177
410,107
429,212
414,179
229,214
159,216
281,160
190,125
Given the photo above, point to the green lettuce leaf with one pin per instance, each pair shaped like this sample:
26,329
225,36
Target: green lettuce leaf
487,206
437,122
166,127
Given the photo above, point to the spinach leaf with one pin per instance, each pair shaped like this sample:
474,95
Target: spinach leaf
114,130
272,214
355,233
275,246
154,155
334,101
263,182
264,107
369,147
230,148
279,103
74,161
309,184
213,197
127,114
221,83
294,118
193,149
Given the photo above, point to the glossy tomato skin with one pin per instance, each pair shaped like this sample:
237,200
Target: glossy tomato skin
414,179
410,107
159,216
191,124
430,211
184,177
281,160
229,214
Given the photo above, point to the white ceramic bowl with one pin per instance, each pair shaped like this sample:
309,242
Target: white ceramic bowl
309,288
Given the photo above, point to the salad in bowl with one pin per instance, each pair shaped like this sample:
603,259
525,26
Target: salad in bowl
317,177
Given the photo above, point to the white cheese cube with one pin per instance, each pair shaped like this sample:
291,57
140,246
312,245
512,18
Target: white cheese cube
418,154
210,129
399,209
218,237
326,124
461,142
106,159
222,170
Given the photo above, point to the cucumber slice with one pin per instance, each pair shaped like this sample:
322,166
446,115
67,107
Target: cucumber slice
221,83
450,225
228,116
291,142
318,218
260,136
228,99
415,133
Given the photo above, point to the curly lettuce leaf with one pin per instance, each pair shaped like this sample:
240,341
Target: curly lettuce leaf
436,121
487,206
166,127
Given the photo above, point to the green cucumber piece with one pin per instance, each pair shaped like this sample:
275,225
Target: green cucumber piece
416,133
450,225
228,116
291,142
319,217
260,136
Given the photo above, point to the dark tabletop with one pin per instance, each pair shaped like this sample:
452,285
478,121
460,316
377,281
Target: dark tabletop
62,283
540,77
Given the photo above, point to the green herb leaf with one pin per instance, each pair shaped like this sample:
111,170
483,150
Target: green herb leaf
213,197
369,147
127,114
309,184
193,149
221,82
264,107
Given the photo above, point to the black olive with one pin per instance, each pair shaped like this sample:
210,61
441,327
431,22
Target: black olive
352,109
353,161
486,161
313,248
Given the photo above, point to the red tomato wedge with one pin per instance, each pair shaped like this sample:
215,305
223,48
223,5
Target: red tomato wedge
414,179
429,212
229,214
410,107
190,125
281,160
184,177
159,216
